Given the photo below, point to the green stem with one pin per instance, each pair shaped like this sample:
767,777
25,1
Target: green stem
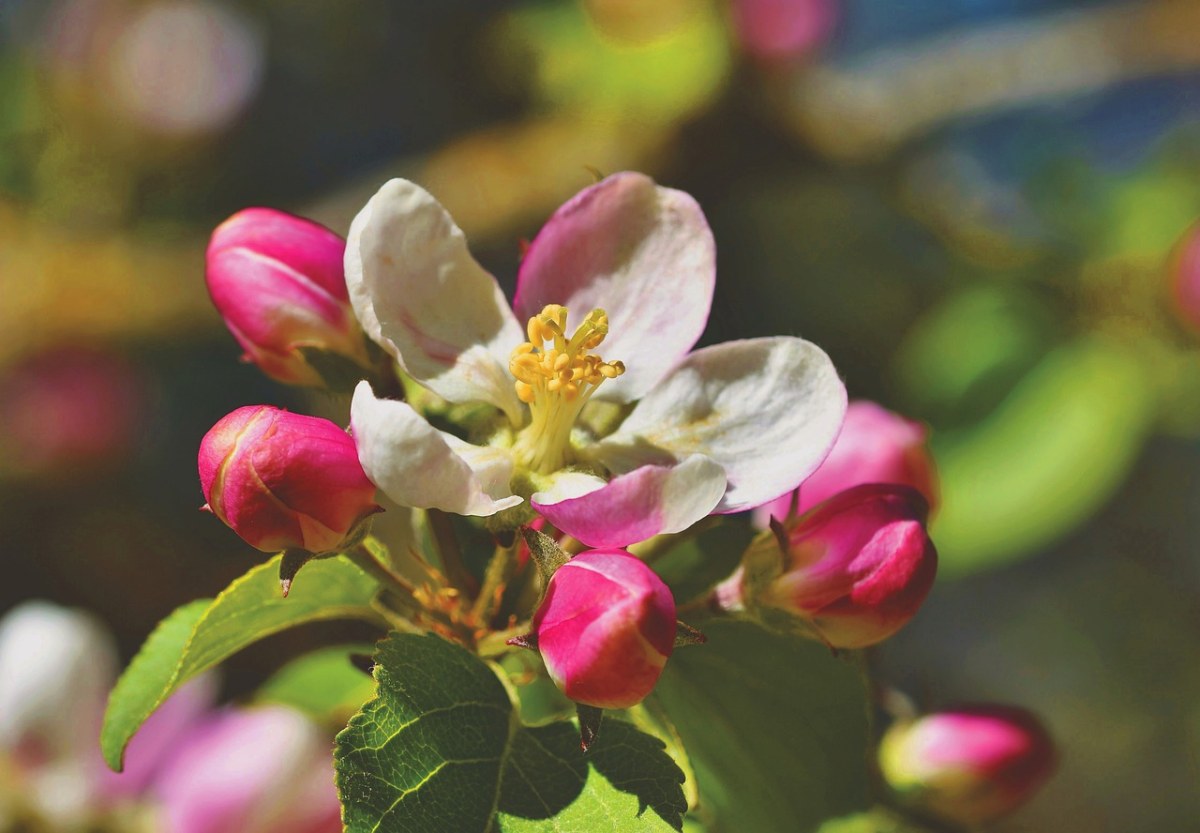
449,552
495,644
366,561
499,571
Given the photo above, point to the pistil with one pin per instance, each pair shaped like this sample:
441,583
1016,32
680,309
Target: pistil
556,376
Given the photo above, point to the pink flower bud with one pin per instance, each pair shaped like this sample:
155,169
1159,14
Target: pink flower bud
875,446
968,765
278,282
858,566
1185,278
605,628
284,480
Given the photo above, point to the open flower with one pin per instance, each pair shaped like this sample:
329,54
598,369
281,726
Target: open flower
626,266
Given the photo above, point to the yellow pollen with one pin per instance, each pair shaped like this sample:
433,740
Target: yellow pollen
556,375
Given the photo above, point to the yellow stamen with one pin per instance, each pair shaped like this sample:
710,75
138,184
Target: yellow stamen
556,376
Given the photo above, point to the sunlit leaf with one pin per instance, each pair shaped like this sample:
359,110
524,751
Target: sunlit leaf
775,728
201,634
443,749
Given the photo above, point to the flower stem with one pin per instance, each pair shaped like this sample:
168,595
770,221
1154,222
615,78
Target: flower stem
499,571
449,552
366,561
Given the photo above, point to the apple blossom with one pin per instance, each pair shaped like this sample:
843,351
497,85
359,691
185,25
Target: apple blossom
277,280
856,570
605,628
625,264
260,770
875,446
970,764
55,668
282,480
188,769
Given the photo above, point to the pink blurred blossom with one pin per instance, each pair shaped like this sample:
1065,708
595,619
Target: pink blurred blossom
970,764
776,30
874,446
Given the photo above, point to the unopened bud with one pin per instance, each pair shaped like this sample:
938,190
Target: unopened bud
874,446
856,568
605,628
282,480
279,283
968,765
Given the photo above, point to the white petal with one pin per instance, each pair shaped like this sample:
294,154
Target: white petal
415,465
642,253
56,666
767,410
418,292
650,500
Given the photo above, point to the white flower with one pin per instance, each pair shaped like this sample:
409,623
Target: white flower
626,265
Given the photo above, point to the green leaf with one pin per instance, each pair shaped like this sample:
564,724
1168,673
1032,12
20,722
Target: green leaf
323,684
140,689
701,561
879,820
775,728
442,749
1046,459
201,634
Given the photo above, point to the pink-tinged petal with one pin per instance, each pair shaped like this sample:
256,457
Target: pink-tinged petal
766,410
418,292
415,465
648,501
642,253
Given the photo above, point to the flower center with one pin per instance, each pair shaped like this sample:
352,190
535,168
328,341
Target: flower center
556,375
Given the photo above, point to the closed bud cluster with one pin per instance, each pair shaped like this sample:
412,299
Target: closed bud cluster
969,765
605,628
284,481
856,570
279,283
874,446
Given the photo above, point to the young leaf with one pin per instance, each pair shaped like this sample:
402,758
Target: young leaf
442,749
201,634
775,728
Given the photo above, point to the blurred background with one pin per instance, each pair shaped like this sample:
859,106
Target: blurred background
975,206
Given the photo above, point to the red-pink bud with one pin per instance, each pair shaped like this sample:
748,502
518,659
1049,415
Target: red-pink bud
278,282
857,568
605,628
1185,278
284,480
968,765
874,446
